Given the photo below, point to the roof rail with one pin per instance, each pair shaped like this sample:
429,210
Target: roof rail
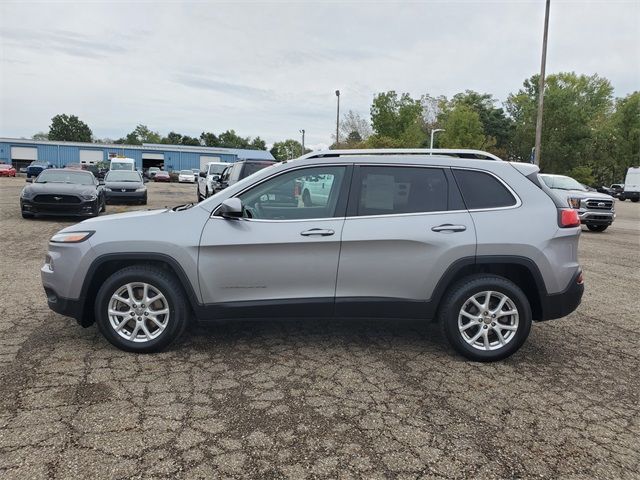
451,152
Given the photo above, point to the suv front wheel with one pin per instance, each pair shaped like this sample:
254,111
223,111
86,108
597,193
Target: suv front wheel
141,309
485,317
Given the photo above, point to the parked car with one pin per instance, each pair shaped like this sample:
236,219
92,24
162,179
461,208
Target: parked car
238,171
631,187
596,210
151,172
7,170
35,167
209,178
122,163
125,186
186,176
162,176
431,237
62,192
73,166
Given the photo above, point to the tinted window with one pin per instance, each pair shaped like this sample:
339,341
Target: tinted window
481,190
301,194
251,168
391,190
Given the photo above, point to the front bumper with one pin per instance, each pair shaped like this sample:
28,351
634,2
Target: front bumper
64,306
561,304
115,195
81,209
596,218
186,180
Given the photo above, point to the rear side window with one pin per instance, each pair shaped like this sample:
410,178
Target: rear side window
481,190
393,190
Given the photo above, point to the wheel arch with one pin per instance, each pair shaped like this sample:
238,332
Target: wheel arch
106,265
520,270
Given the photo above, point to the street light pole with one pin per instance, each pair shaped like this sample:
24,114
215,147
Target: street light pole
536,158
338,119
432,134
302,132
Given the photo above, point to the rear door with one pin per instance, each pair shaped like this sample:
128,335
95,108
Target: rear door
281,255
406,226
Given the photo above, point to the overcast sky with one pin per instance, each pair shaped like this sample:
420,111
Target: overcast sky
271,68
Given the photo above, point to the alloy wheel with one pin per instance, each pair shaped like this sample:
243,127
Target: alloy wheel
138,312
488,320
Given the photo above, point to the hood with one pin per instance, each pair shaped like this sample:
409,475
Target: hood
126,215
121,185
60,188
582,194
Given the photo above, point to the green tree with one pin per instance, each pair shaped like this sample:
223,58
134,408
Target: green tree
40,136
257,144
626,127
463,129
69,128
172,138
230,139
209,139
576,109
392,115
582,174
352,122
287,149
187,140
141,134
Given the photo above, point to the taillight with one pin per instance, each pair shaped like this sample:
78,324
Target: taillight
568,218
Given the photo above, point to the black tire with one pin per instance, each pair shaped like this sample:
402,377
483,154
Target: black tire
27,215
597,228
635,199
161,280
458,295
306,199
198,196
206,193
104,206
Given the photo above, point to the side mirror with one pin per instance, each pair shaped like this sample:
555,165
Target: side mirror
29,180
203,174
231,208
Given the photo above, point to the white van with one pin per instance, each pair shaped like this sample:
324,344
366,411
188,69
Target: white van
631,189
122,163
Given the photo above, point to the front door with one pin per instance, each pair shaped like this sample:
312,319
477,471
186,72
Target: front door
281,257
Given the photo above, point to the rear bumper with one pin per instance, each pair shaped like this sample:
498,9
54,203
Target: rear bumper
561,304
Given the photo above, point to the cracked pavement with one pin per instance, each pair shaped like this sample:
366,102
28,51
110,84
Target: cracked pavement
318,399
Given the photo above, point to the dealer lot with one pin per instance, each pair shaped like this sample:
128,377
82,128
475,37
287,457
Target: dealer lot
347,399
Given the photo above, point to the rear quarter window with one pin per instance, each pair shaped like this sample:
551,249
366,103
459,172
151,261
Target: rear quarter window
481,190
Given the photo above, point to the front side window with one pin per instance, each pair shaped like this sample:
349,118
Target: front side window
388,190
301,194
481,190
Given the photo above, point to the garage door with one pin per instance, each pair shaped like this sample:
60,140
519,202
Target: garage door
24,153
91,156
153,156
204,159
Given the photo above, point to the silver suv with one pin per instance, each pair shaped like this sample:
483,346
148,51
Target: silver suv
400,234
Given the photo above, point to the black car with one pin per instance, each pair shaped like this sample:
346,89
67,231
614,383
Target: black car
63,192
239,170
125,186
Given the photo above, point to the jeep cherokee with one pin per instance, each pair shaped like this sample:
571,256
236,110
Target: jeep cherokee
480,245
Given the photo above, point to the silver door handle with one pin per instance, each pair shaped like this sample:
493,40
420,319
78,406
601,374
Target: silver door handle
317,231
447,227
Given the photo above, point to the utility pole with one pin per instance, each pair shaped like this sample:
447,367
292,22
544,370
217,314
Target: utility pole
338,119
302,132
433,132
536,158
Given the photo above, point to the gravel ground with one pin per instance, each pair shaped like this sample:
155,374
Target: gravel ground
296,399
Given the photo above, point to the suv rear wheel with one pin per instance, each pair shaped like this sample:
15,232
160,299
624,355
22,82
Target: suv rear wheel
486,317
141,309
597,228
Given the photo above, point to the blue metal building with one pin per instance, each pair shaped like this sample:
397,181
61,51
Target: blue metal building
21,152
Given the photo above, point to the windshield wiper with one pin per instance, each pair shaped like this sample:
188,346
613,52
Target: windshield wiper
185,206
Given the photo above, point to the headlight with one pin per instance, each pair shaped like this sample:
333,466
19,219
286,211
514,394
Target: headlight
25,193
141,189
90,196
71,237
574,202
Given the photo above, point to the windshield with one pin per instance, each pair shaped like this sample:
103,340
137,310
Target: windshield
65,176
562,183
186,172
122,176
5,167
121,166
219,168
